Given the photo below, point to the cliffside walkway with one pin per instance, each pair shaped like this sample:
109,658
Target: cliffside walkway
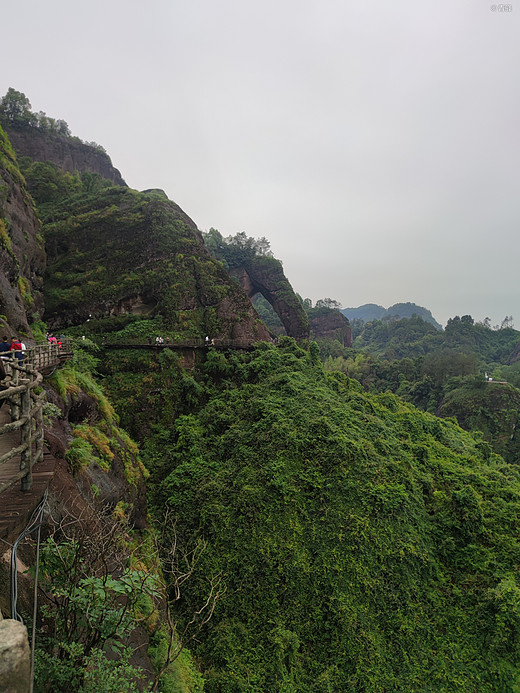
241,344
22,455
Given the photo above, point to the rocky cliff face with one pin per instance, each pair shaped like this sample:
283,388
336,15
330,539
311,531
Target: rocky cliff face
265,275
69,153
22,257
515,356
326,323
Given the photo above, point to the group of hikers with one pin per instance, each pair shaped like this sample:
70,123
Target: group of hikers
9,348
15,346
160,341
52,339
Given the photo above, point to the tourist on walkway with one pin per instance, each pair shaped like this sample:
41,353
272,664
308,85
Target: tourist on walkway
16,346
5,348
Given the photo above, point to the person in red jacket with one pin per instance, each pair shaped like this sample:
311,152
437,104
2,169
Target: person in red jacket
16,346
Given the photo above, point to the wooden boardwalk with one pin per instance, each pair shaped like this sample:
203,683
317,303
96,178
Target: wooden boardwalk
16,506
238,344
25,475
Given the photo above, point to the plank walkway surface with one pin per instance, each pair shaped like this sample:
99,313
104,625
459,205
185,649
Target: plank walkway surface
16,506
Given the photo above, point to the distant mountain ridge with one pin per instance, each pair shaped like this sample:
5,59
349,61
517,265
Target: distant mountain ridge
372,311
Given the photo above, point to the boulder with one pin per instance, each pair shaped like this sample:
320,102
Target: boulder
15,657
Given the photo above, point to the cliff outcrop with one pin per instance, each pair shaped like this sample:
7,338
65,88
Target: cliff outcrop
117,256
264,275
22,256
135,263
327,323
69,153
515,356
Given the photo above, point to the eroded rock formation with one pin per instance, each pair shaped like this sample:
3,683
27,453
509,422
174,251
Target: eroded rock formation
140,254
515,356
265,275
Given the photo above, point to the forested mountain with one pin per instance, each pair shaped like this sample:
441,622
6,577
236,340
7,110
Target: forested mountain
371,311
306,530
43,138
469,371
415,336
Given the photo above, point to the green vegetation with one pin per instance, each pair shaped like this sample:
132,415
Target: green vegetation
442,372
490,407
8,162
317,532
90,613
158,268
100,441
236,251
364,545
15,112
415,337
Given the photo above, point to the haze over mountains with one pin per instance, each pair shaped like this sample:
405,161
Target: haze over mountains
314,524
377,149
371,311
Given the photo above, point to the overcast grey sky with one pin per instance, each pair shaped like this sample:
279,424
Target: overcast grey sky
375,144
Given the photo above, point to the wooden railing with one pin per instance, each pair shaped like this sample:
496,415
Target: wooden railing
26,416
46,355
24,376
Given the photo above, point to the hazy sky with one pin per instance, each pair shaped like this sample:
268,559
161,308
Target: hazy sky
375,144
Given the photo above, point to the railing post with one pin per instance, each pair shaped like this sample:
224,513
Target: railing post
39,428
15,377
26,430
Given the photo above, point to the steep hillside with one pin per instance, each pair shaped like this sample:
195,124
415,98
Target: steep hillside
364,546
134,264
96,549
326,540
22,256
